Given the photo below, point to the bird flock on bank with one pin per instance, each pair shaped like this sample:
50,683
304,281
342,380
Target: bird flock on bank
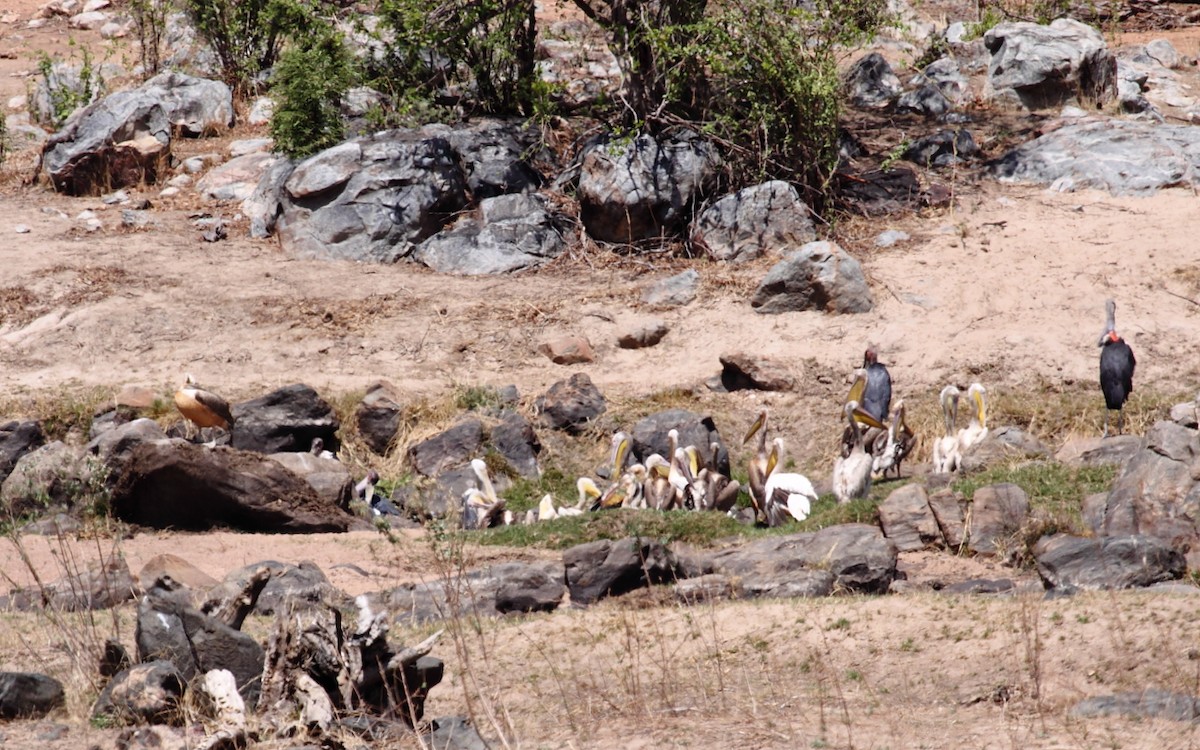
874,443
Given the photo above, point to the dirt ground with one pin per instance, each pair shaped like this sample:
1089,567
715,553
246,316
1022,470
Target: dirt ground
1007,287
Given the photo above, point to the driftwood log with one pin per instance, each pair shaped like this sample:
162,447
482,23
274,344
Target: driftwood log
316,669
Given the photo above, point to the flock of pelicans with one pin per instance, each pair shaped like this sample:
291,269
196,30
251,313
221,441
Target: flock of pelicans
875,442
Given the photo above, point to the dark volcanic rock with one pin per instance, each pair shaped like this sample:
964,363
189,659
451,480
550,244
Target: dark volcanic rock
515,439
742,371
611,568
570,404
1157,493
454,446
98,586
286,419
149,692
25,695
908,520
650,435
871,82
378,416
179,485
1116,562
17,439
288,583
489,592
997,512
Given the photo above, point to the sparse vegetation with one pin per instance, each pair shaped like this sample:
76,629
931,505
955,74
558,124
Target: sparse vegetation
150,24
308,85
248,35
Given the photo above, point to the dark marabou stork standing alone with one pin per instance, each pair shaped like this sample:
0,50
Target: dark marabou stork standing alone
877,396
1116,368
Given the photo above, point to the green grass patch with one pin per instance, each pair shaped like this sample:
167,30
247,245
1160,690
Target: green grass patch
701,529
526,493
1051,486
827,512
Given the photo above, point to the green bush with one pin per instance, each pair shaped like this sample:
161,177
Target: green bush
478,54
247,35
307,86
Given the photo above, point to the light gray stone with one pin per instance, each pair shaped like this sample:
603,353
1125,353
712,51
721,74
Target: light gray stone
818,276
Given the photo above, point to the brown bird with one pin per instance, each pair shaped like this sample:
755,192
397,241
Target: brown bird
203,408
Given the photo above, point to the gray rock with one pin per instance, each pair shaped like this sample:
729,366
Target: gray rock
765,219
17,439
26,695
264,205
174,484
360,100
451,447
854,557
944,148
489,592
1092,512
512,233
494,154
236,179
144,693
1157,494
742,371
818,276
641,189
515,439
328,477
673,291
643,334
195,106
1165,53
1002,444
1036,67
907,519
612,568
454,733
570,404
1114,451
1115,562
1122,156
998,511
112,445
288,584
926,100
373,199
946,75
1184,414
97,586
712,587
67,81
261,111
89,21
980,586
871,82
245,146
286,419
195,643
1147,704
54,475
118,141
890,237
650,435
948,512
378,416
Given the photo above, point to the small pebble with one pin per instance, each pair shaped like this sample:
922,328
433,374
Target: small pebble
21,229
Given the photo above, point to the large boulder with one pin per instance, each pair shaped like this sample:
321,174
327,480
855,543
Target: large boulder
818,276
26,695
288,584
286,419
650,435
373,198
571,404
451,447
641,189
121,140
907,519
101,585
194,106
511,233
1121,156
1039,67
17,439
196,643
378,416
515,439
494,155
998,511
1110,451
854,557
173,484
765,219
1157,494
238,178
504,588
264,205
143,693
611,568
1115,562
328,477
55,475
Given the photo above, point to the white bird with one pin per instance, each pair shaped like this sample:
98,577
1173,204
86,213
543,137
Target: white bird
786,494
977,430
546,510
588,493
485,480
318,450
852,472
658,492
479,512
946,455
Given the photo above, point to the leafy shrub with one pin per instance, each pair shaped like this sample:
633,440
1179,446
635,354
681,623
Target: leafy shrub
64,89
150,23
479,54
308,85
247,35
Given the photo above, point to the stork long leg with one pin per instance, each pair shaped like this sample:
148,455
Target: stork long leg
1105,423
1121,421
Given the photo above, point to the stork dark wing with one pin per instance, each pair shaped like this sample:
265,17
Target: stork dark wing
1116,373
